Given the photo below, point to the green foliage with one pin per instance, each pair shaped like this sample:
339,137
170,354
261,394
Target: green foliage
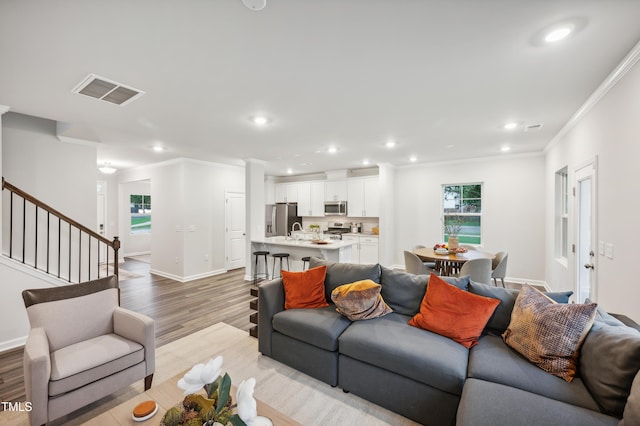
223,392
172,417
236,420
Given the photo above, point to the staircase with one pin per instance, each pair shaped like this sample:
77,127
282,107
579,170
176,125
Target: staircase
48,241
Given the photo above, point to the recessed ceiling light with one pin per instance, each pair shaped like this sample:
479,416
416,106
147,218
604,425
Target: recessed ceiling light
413,158
306,164
365,162
289,171
255,4
505,149
390,144
557,34
158,148
259,120
449,146
332,150
510,126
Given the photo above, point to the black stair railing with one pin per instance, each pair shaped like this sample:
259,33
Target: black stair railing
42,237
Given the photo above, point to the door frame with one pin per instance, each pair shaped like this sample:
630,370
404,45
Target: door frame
586,167
227,217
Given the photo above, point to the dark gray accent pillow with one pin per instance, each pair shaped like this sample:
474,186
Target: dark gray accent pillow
609,361
605,317
403,292
632,409
344,273
500,319
461,282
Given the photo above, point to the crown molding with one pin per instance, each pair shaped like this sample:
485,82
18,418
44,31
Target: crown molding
609,83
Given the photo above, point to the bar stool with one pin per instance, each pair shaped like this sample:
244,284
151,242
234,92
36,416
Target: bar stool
304,261
257,255
279,256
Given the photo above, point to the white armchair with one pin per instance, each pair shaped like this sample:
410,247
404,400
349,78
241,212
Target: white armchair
82,347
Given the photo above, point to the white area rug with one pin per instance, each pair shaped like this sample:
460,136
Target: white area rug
295,394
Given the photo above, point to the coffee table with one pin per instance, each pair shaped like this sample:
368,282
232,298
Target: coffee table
167,394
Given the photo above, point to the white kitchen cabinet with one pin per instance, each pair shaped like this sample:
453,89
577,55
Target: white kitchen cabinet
365,251
317,198
368,250
310,199
355,249
286,193
335,190
363,197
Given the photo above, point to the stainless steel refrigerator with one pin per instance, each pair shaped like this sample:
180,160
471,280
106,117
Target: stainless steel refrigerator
280,217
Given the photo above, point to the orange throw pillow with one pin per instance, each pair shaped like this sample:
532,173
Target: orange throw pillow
304,289
453,313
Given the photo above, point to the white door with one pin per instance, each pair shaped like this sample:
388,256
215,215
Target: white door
235,221
586,233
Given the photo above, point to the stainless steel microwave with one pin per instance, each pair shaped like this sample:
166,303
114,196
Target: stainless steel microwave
335,208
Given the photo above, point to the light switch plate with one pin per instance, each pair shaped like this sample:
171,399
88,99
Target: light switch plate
608,250
601,248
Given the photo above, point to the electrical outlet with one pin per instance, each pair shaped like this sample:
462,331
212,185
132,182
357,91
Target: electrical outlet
206,257
192,228
177,259
178,228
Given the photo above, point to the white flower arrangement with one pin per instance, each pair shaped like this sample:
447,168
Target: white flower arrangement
216,407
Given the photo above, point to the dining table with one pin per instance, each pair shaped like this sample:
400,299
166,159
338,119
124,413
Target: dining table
450,263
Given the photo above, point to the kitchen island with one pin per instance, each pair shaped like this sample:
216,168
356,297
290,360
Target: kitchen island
333,250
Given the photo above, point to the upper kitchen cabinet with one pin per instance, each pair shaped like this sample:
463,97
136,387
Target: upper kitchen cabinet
335,190
311,199
286,193
363,197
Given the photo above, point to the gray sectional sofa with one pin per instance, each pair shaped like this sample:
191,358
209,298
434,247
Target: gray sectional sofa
433,380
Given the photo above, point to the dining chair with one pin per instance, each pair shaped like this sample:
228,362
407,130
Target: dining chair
414,265
499,267
479,270
468,246
431,265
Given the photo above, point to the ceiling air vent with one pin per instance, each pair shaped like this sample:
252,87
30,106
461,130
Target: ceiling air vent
107,90
533,127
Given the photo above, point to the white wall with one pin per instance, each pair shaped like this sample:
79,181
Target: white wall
512,212
205,239
609,131
60,174
188,215
132,244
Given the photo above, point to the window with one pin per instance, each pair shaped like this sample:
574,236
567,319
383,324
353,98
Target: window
462,206
140,214
562,213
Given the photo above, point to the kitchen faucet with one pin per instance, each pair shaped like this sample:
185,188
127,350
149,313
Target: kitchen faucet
294,226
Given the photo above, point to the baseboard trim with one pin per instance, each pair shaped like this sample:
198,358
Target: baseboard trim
187,278
527,281
13,343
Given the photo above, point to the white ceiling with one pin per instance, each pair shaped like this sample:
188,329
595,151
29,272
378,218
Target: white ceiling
439,77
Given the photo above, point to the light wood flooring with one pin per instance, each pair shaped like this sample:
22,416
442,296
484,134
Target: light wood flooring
179,309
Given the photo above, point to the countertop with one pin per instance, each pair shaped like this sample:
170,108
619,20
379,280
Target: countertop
283,241
362,234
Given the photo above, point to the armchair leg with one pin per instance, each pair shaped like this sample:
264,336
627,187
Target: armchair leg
147,382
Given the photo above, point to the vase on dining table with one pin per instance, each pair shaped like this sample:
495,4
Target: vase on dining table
453,243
